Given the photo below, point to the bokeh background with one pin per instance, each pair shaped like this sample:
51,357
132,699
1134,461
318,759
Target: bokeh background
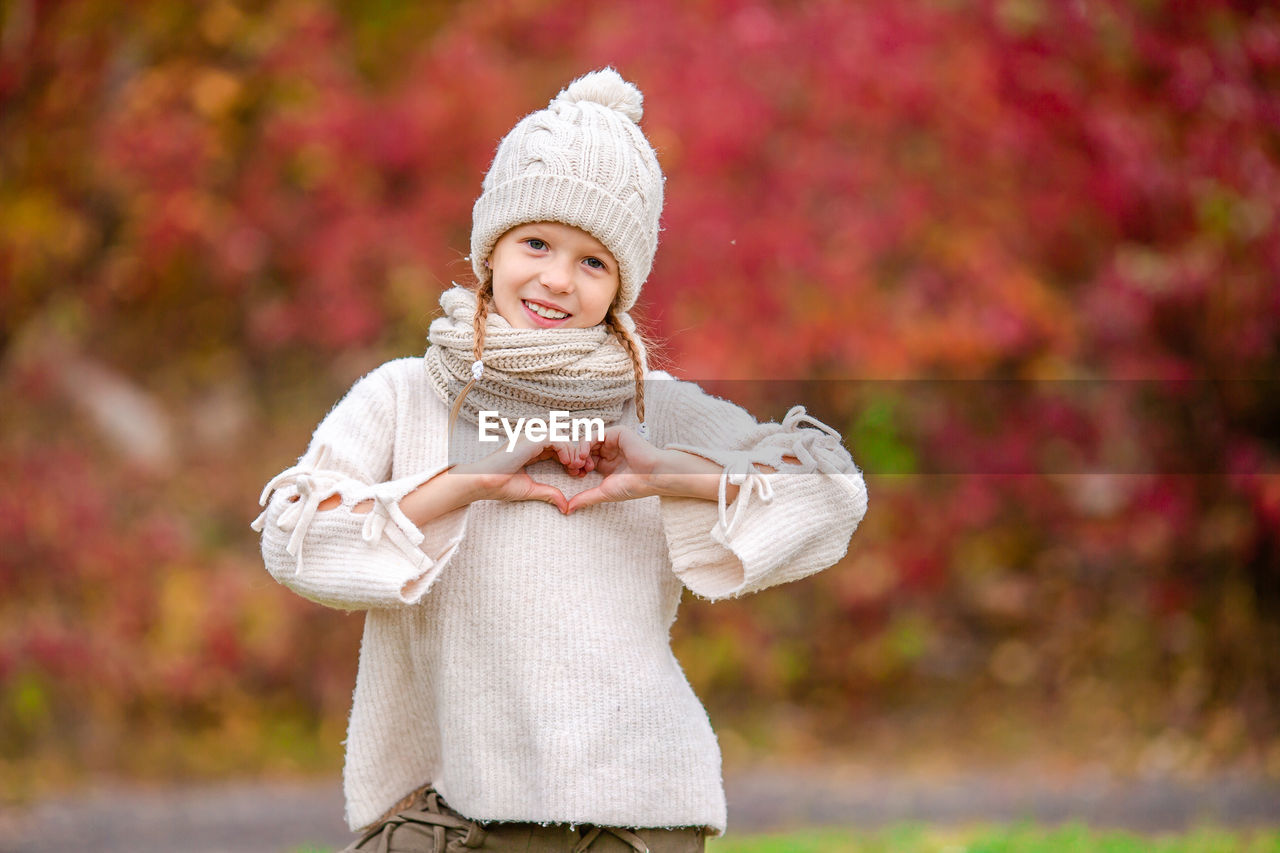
215,216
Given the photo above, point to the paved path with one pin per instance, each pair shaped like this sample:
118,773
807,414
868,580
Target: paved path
278,817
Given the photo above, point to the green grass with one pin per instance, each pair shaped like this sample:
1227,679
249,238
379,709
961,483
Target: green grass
1018,838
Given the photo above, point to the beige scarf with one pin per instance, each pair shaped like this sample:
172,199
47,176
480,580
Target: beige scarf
528,372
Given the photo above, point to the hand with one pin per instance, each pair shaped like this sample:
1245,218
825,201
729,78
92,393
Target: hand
629,465
502,475
578,459
632,468
499,476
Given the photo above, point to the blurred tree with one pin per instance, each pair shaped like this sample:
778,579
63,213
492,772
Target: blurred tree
1062,215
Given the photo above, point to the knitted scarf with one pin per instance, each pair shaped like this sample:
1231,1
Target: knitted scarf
528,372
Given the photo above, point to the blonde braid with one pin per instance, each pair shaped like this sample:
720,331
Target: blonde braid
484,299
632,347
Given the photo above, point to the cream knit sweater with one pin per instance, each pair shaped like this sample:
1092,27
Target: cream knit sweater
517,658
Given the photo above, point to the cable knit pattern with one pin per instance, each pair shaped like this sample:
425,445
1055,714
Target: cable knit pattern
518,659
528,372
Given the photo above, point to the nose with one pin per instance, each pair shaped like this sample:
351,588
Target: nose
557,275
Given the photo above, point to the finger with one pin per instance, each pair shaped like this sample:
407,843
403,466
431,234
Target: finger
580,454
550,494
611,438
609,459
618,444
572,457
527,452
586,498
607,448
564,454
576,458
610,491
629,446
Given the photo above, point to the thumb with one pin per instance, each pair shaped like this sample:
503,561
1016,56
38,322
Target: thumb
550,494
586,498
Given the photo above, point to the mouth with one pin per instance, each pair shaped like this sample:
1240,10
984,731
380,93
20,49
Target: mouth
544,315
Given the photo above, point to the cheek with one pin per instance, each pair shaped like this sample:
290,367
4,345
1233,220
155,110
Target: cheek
600,300
506,303
609,292
504,289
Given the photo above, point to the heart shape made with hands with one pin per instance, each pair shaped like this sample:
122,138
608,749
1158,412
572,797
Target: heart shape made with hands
627,462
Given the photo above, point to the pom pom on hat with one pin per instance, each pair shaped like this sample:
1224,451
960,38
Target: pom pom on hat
607,88
584,162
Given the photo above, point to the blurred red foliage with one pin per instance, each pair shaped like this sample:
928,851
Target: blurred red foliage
220,199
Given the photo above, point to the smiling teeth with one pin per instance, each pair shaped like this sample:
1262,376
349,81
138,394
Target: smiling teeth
541,311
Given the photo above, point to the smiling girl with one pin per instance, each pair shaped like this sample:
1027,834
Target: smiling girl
516,688
547,275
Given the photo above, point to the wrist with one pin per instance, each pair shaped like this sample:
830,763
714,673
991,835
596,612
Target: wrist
682,474
442,494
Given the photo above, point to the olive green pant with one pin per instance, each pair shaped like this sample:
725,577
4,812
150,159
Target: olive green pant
428,825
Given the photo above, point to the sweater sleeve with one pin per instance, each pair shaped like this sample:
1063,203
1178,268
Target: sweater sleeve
800,496
338,557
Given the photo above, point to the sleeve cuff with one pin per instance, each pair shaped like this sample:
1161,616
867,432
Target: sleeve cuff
706,565
800,497
398,561
429,547
703,536
805,528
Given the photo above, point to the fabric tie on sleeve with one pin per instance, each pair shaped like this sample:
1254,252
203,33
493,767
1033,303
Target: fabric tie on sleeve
788,448
822,451
386,507
313,484
740,470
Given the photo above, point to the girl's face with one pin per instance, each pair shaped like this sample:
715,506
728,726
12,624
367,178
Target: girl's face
548,275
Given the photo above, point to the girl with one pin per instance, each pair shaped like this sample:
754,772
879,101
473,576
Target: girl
516,660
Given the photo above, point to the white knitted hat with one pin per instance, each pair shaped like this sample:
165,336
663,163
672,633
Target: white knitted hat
584,162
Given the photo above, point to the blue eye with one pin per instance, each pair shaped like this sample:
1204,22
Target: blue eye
536,244
596,264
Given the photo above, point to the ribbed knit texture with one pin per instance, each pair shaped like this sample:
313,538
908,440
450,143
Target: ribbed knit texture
528,372
519,659
582,161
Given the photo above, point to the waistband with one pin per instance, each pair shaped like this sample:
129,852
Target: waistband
454,833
